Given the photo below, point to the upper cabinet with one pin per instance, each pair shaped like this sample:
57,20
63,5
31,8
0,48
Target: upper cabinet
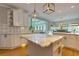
3,15
13,17
18,17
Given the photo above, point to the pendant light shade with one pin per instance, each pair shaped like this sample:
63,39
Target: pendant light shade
48,8
34,14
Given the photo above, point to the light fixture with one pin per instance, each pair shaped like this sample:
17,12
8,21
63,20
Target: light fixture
48,8
34,14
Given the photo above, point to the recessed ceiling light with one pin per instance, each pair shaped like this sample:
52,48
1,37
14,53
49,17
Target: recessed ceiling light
72,6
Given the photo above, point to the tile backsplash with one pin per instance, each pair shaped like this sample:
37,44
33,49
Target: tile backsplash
9,30
4,29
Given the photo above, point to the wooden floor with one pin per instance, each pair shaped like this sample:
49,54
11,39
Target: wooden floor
22,51
70,52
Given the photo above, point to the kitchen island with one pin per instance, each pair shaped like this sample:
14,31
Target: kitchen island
44,45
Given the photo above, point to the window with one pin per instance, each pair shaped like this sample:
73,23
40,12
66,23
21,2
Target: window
38,25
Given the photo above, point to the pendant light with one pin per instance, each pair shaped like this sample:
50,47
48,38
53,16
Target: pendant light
34,14
48,8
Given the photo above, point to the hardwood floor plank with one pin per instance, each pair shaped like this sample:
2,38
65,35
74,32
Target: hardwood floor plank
14,52
22,51
70,52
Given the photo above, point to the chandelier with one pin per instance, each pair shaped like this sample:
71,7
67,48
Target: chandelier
48,8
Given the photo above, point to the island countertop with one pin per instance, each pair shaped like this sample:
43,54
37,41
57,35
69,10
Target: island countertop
42,39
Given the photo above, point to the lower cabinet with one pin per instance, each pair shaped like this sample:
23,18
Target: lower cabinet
57,48
77,42
11,41
71,41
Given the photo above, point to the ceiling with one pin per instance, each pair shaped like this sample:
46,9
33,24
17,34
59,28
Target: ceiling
63,11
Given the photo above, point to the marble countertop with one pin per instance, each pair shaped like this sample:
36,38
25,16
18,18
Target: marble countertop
42,39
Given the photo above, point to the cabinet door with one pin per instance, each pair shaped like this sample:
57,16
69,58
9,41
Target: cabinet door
5,42
70,41
25,19
57,48
19,18
77,42
3,15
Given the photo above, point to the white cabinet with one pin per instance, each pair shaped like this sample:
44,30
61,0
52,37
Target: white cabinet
20,17
3,15
77,42
70,41
4,42
54,49
57,48
11,41
13,17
